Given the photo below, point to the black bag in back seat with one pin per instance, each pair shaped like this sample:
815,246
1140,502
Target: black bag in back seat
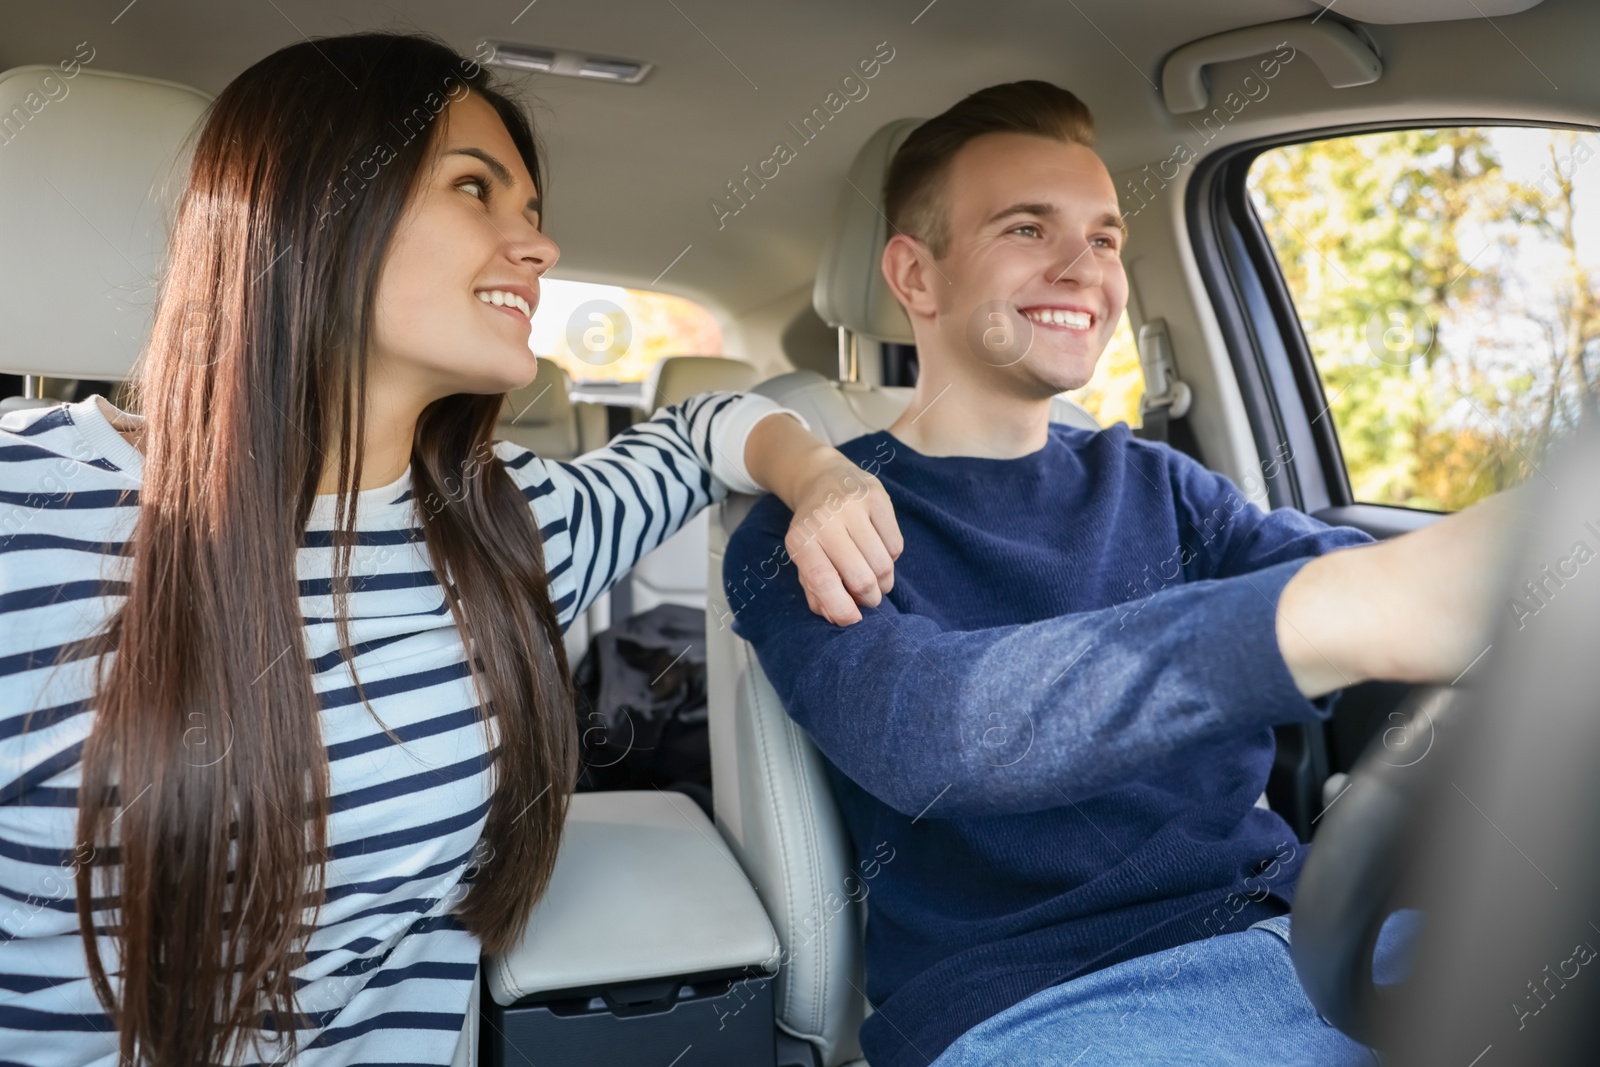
641,705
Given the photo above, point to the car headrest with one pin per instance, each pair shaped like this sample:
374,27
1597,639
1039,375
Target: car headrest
675,379
836,411
88,175
850,288
544,401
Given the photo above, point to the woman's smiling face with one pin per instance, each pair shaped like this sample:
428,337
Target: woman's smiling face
460,279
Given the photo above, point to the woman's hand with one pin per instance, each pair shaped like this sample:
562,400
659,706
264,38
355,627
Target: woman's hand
843,538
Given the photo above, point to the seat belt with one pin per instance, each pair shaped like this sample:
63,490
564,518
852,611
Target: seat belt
1165,397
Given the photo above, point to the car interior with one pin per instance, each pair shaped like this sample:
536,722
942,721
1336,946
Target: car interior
738,938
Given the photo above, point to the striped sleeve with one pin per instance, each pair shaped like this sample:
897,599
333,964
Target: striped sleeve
602,512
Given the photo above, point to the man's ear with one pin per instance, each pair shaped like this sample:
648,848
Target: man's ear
909,270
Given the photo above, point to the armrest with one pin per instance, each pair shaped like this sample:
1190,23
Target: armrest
644,887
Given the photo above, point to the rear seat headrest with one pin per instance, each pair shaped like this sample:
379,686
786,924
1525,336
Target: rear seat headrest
850,288
545,401
88,175
674,379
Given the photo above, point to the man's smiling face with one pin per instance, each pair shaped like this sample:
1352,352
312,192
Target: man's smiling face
1031,281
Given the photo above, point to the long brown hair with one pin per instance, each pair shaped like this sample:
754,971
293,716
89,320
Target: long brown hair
255,372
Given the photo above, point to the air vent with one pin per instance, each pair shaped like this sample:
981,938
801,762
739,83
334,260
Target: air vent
566,63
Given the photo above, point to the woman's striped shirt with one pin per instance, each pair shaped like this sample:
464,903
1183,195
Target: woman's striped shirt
389,967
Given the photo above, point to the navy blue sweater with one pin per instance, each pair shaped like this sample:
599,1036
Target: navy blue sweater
1056,725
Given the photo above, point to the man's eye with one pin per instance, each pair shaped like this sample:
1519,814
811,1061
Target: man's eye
1034,231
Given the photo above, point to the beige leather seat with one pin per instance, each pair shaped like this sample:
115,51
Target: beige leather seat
89,182
542,416
674,379
772,797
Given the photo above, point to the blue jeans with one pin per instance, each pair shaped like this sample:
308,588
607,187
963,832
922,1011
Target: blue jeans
1229,999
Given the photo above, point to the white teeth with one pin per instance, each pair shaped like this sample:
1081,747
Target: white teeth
501,298
1077,320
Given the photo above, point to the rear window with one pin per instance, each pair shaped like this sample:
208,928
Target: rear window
612,334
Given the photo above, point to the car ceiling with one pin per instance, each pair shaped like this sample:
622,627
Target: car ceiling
634,167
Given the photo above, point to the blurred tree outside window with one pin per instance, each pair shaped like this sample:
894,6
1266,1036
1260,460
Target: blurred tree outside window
1116,390
609,333
1445,282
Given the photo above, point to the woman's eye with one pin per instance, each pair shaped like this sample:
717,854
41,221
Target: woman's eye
475,187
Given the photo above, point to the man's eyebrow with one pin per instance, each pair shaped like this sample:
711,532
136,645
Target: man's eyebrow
1042,210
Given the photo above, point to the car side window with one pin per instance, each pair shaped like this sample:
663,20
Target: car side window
1116,391
1448,283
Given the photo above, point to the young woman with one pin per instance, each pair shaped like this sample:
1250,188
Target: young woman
257,802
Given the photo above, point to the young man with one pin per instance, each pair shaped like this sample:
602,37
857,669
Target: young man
1060,715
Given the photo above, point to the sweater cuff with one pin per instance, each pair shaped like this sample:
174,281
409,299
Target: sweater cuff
1247,657
731,433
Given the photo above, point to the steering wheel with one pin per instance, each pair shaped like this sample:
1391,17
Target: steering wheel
1352,880
1482,806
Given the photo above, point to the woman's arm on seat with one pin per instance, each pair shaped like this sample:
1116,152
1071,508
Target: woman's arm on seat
603,511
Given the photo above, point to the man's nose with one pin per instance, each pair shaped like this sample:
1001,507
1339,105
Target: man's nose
1076,262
